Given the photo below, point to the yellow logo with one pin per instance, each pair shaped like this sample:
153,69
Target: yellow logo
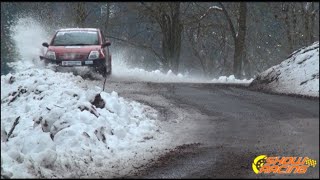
311,162
258,163
282,165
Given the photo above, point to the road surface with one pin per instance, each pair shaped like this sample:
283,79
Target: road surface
222,128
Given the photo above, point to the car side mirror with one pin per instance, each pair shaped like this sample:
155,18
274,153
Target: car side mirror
45,44
107,43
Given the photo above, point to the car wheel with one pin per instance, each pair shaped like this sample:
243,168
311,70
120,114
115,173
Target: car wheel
101,70
45,62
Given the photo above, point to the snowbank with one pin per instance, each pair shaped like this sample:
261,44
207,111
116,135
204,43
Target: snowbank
231,79
60,133
299,74
137,74
121,71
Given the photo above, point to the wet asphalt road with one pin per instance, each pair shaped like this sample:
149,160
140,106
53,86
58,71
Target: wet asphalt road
232,125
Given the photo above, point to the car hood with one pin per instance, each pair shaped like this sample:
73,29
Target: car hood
74,49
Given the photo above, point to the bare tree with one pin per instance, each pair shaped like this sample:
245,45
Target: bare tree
200,29
81,14
309,13
82,11
299,23
238,36
167,15
105,13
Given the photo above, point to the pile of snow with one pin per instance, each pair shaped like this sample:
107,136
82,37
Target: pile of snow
231,79
299,74
65,131
137,74
122,72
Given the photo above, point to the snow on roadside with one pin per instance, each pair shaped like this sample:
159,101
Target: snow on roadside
298,74
231,79
122,72
137,74
61,134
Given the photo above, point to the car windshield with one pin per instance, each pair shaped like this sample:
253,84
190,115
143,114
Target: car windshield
74,38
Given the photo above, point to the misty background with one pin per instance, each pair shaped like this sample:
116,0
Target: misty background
203,38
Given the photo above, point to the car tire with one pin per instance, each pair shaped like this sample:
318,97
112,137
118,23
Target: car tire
101,70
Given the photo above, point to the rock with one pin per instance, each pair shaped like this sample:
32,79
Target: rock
11,79
98,101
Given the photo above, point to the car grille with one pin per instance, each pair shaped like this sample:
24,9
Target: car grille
70,56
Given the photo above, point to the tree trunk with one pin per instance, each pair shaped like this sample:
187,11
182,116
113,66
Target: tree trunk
106,24
195,51
285,9
81,14
309,23
246,65
171,42
294,33
306,24
225,54
313,16
240,40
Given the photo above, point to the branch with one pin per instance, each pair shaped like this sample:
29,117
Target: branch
212,8
186,8
214,25
88,12
229,21
91,109
152,12
136,34
141,46
16,122
195,51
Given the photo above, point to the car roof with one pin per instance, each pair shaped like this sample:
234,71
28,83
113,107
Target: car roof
79,29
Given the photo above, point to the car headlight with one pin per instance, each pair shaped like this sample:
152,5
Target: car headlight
94,55
51,55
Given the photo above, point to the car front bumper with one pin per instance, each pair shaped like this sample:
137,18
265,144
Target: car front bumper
86,62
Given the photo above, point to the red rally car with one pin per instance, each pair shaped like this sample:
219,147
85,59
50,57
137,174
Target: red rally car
79,47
